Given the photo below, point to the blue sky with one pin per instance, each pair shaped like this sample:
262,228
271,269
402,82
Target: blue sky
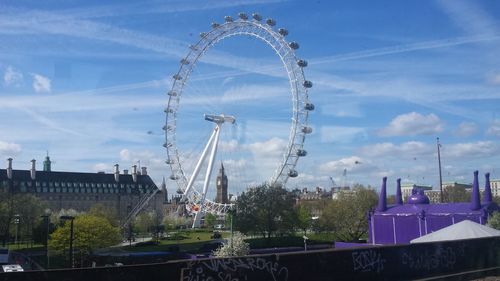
87,82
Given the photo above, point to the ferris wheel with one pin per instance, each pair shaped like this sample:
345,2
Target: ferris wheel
284,168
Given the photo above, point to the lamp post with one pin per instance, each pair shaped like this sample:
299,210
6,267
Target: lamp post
305,242
16,222
46,218
71,218
440,176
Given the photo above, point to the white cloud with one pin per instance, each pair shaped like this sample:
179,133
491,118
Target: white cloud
405,150
341,134
466,129
125,155
41,84
412,124
470,150
353,163
101,167
9,148
12,77
494,129
494,79
273,147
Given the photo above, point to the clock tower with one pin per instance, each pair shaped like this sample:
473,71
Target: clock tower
221,183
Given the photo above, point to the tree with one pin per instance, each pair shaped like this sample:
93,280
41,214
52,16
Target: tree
265,209
453,194
100,210
235,247
90,233
347,215
304,219
210,220
25,207
173,221
494,220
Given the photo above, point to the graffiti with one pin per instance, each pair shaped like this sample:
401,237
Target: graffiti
368,260
234,269
427,260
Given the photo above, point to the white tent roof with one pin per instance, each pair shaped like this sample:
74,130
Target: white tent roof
463,230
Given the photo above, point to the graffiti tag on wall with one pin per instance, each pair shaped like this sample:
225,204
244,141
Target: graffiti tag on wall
367,260
234,269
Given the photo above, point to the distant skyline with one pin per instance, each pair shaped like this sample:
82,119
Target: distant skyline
87,82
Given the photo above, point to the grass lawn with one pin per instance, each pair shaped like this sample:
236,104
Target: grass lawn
186,240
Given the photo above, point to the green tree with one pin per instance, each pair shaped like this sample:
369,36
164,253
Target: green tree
210,220
346,216
454,194
304,219
24,207
100,210
265,209
494,220
90,233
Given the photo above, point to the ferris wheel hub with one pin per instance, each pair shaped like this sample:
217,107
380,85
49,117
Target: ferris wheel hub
219,119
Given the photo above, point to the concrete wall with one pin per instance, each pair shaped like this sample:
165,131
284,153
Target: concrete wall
457,260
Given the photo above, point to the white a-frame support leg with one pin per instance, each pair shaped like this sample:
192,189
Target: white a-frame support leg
212,143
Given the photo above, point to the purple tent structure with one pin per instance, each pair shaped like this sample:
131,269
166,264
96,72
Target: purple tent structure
401,223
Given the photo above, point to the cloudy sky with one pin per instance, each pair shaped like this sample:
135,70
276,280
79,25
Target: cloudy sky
87,82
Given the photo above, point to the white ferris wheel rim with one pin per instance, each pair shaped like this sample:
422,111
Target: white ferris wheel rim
299,90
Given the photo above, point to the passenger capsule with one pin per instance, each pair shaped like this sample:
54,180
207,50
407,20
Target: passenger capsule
193,47
169,110
257,17
307,84
215,25
167,128
307,130
301,152
302,63
203,34
174,177
270,22
243,16
228,19
172,93
293,45
309,106
293,173
169,161
283,31
177,77
184,61
167,145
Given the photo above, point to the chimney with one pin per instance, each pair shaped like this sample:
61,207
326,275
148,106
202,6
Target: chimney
487,196
9,168
117,173
125,172
399,195
475,201
144,171
382,201
134,173
33,169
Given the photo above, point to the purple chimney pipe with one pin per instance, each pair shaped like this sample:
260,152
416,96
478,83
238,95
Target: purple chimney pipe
487,197
399,196
382,201
475,201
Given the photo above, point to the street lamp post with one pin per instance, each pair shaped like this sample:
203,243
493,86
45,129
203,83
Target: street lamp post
16,222
440,176
71,256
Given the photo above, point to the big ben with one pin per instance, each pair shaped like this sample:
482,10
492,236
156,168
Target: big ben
221,186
